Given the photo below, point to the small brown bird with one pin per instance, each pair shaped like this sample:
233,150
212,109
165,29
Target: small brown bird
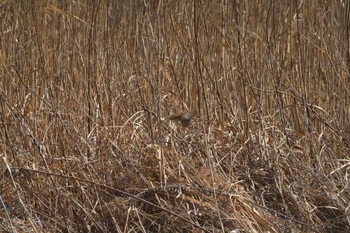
184,118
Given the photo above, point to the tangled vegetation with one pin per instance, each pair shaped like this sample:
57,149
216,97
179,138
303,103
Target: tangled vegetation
87,88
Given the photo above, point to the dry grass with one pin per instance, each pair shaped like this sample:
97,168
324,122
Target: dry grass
87,86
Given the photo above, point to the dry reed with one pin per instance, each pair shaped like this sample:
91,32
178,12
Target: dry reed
87,86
